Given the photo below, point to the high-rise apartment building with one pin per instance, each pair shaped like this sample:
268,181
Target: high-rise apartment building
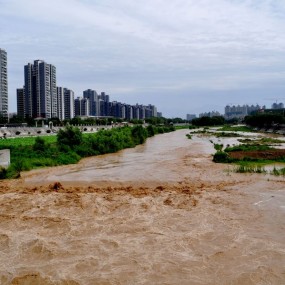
65,103
68,104
3,84
40,90
21,102
81,107
93,101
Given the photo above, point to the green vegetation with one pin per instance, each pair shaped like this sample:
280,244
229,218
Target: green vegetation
249,169
266,120
69,146
209,121
189,136
181,127
221,157
24,141
278,172
226,135
218,147
247,147
267,141
229,128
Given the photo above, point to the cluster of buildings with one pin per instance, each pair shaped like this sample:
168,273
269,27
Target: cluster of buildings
240,112
40,97
236,111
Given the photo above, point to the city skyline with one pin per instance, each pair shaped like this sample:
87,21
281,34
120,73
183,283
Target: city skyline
40,97
183,57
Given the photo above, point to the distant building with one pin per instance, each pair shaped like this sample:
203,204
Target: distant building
40,92
81,107
209,114
68,104
190,117
60,103
239,112
277,106
92,96
21,102
3,84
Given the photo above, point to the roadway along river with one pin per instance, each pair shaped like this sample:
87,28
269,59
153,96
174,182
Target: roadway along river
161,213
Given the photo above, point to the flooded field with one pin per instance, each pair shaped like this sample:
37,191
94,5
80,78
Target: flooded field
160,213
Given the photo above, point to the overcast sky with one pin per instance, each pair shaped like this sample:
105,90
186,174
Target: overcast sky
184,56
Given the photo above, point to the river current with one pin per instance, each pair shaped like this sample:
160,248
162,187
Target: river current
160,213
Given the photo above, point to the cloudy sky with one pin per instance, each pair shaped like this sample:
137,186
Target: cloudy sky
184,56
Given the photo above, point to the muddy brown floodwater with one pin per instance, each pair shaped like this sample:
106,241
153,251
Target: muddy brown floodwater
161,213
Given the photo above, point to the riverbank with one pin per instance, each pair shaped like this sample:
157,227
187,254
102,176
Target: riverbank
160,213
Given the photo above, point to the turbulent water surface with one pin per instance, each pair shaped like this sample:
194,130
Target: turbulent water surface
161,213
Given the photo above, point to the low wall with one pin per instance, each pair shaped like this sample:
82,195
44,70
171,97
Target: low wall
5,157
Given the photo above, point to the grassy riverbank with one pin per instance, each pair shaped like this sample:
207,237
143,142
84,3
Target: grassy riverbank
70,145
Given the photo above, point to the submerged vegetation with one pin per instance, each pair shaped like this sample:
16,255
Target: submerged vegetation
70,145
249,169
189,136
229,128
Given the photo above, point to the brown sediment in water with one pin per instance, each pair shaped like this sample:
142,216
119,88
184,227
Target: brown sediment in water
161,213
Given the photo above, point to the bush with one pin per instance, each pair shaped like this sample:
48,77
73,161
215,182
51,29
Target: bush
69,137
221,156
39,144
150,131
218,147
3,172
139,134
17,167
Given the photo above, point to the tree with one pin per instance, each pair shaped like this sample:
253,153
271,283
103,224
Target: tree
39,144
69,137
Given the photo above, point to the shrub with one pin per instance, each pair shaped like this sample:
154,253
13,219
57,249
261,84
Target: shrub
39,144
221,156
150,130
218,147
17,167
69,137
3,172
139,134
189,136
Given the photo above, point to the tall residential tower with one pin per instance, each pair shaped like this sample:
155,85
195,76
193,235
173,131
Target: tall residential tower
3,84
40,90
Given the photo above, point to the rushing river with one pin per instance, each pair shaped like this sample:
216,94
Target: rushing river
161,158
160,213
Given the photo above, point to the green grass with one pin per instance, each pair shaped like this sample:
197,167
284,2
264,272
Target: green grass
247,147
249,169
229,128
278,172
264,141
226,135
24,141
181,127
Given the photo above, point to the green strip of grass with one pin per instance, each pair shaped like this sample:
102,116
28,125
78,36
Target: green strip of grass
229,128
